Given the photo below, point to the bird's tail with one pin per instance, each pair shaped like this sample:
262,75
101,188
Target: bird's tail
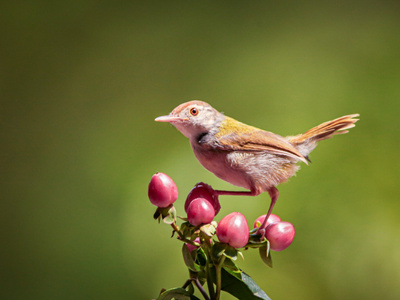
307,141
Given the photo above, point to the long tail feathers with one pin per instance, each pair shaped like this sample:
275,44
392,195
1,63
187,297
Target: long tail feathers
326,130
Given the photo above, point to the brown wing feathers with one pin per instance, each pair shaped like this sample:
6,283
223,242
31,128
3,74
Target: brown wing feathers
247,138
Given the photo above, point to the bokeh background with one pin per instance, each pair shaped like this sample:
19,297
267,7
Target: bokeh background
81,83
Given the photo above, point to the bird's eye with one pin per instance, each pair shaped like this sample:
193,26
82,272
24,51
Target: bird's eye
194,111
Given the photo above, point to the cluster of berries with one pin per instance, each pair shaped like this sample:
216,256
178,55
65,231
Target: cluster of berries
202,206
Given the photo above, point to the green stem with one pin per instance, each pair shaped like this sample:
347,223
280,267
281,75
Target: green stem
210,283
218,269
176,229
181,237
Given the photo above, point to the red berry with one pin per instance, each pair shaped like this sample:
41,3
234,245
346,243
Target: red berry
200,211
191,247
233,230
162,190
272,219
280,235
203,190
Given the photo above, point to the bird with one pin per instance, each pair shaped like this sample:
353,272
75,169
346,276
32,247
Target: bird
246,156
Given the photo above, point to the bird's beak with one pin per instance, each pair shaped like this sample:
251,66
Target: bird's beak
169,119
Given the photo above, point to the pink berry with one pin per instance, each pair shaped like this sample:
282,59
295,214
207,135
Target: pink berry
280,235
203,190
200,211
162,190
272,219
233,230
191,247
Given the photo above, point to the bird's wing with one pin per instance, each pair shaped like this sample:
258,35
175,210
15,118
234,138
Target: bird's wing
258,140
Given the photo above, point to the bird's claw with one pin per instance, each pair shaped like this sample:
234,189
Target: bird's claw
261,232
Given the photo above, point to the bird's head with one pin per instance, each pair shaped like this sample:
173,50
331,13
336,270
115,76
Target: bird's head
194,118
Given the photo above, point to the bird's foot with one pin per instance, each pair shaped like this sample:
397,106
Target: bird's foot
261,232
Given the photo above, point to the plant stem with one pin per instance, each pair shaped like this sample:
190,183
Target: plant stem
176,229
218,269
210,284
181,237
187,283
201,289
198,285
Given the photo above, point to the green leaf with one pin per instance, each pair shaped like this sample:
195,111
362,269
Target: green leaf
176,293
218,249
243,287
188,259
187,230
232,268
266,255
208,229
230,252
201,257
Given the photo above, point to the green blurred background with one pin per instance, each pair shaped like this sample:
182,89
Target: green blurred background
81,83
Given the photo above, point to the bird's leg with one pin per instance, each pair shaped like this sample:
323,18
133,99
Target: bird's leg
274,194
235,193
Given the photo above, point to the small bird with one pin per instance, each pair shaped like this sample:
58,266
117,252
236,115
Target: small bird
244,155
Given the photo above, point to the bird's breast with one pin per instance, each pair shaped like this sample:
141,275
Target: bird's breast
252,170
218,163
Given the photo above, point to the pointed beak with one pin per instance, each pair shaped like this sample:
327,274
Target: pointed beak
169,119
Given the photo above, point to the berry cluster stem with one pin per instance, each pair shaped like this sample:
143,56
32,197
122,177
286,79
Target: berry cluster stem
210,284
176,229
198,285
218,269
181,236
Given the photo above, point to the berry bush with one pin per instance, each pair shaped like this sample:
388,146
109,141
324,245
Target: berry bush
210,249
